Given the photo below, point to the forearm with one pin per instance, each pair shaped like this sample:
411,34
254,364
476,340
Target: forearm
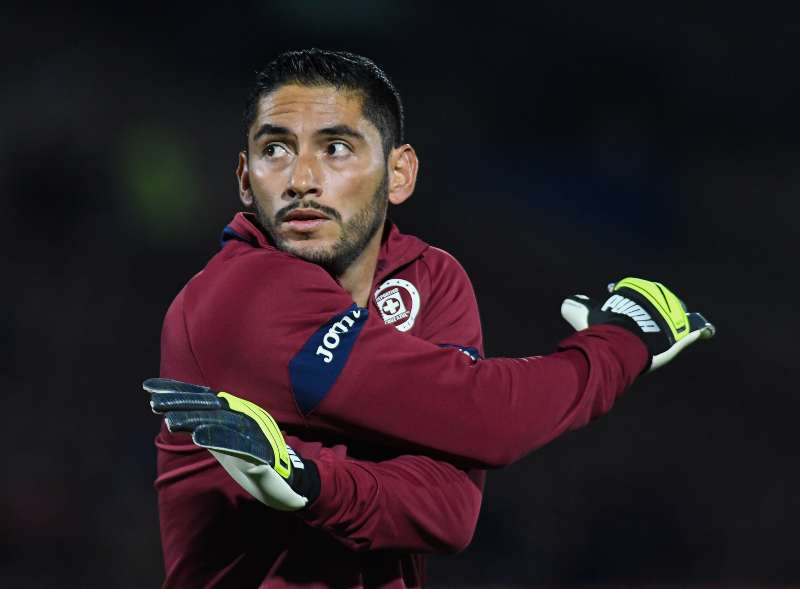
351,374
497,410
409,503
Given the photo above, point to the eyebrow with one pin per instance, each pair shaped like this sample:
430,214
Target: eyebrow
341,130
268,129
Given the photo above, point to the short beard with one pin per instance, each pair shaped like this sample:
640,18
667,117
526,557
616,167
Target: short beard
356,233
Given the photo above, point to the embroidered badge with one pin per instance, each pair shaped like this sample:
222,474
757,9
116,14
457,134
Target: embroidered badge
398,302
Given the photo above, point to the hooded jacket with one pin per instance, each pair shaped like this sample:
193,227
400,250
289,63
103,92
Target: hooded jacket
399,386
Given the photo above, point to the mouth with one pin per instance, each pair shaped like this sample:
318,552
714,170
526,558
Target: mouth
304,220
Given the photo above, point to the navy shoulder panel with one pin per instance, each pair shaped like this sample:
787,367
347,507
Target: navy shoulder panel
315,368
229,234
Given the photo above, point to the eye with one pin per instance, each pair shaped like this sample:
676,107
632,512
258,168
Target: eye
338,149
275,150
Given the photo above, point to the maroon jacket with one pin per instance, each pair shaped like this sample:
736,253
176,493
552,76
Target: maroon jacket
372,519
284,334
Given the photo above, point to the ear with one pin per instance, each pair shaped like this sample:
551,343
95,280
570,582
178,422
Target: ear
243,176
403,166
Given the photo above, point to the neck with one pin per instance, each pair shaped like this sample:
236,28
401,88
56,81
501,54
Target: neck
357,279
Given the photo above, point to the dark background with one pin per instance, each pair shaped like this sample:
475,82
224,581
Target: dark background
561,148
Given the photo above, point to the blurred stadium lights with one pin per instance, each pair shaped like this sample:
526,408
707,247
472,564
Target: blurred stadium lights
160,175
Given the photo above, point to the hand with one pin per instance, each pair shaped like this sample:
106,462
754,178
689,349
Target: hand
242,436
646,308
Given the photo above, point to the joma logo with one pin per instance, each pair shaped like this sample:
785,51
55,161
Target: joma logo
331,339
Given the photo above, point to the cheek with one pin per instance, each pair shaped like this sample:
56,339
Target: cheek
356,192
264,179
267,188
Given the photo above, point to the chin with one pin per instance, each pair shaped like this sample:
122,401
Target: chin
313,250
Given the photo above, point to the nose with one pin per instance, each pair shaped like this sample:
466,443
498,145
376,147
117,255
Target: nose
304,179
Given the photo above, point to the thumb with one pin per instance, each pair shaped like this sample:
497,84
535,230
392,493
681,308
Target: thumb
575,310
699,323
699,328
262,482
664,357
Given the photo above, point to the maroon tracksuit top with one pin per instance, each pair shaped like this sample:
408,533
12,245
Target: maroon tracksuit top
358,390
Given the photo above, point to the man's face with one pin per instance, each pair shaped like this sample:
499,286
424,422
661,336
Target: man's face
317,174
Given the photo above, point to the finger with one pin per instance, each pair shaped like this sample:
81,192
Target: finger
189,421
168,385
233,443
178,401
575,310
699,323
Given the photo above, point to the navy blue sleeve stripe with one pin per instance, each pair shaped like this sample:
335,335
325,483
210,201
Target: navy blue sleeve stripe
314,369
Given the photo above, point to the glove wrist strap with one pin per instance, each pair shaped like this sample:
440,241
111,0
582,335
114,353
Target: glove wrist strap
305,481
630,325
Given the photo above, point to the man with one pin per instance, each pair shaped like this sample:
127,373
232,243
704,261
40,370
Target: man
350,333
345,170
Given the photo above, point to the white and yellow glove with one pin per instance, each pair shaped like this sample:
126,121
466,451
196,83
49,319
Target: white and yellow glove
242,436
648,309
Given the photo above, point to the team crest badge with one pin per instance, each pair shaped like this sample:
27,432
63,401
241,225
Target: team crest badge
398,302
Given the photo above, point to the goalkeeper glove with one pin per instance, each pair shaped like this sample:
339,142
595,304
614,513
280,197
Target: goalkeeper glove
242,437
646,308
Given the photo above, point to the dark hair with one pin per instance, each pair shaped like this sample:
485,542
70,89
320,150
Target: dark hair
342,70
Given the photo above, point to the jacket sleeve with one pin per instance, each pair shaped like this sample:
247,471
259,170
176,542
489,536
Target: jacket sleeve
410,503
350,374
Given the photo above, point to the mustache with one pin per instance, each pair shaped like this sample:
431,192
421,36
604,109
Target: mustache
330,212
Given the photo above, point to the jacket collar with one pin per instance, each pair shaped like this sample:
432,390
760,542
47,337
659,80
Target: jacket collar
397,249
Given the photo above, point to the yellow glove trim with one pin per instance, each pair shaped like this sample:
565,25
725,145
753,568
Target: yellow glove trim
665,302
272,432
